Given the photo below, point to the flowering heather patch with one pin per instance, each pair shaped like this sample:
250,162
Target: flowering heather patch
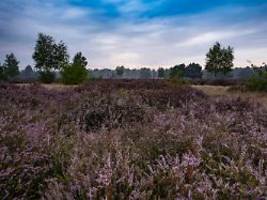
130,140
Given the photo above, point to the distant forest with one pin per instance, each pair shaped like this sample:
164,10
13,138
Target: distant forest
28,74
52,62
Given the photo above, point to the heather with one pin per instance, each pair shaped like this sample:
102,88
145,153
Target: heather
118,139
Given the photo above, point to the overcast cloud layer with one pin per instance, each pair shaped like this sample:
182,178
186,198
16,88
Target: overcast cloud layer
137,33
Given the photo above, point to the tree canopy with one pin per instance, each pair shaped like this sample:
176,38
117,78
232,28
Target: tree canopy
79,59
10,68
49,56
219,59
11,64
2,73
120,70
177,71
75,72
193,70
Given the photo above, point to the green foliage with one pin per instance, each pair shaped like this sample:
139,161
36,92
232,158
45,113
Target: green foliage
3,76
193,70
76,72
177,71
120,70
49,56
177,74
178,80
258,82
79,59
47,77
44,52
10,66
61,57
161,73
219,59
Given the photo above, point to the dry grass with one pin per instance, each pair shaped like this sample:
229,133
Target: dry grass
224,91
54,86
213,90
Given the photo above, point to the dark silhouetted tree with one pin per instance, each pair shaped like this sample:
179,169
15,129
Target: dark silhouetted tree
11,68
44,53
193,70
28,70
161,73
61,56
145,73
28,74
219,59
3,76
49,56
79,59
177,71
120,70
76,72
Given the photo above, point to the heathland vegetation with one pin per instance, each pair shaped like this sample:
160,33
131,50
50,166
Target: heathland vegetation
108,137
130,139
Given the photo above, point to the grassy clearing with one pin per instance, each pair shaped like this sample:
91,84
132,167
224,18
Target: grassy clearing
260,97
53,86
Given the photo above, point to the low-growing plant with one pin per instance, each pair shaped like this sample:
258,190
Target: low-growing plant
74,74
47,76
258,82
177,80
129,139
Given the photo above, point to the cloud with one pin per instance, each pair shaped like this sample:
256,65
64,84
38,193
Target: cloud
74,13
126,7
132,38
208,37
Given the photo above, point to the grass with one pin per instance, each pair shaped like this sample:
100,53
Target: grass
260,97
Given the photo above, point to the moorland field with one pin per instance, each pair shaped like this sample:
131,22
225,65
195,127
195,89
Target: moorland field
125,139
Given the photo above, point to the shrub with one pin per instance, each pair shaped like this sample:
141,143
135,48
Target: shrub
47,76
258,82
197,147
3,76
177,80
74,74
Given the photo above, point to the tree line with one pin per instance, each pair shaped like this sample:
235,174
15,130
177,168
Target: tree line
52,58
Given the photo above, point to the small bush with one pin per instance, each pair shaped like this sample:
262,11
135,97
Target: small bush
3,76
178,80
74,74
47,76
258,82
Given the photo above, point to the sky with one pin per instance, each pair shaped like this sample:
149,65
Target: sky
137,33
